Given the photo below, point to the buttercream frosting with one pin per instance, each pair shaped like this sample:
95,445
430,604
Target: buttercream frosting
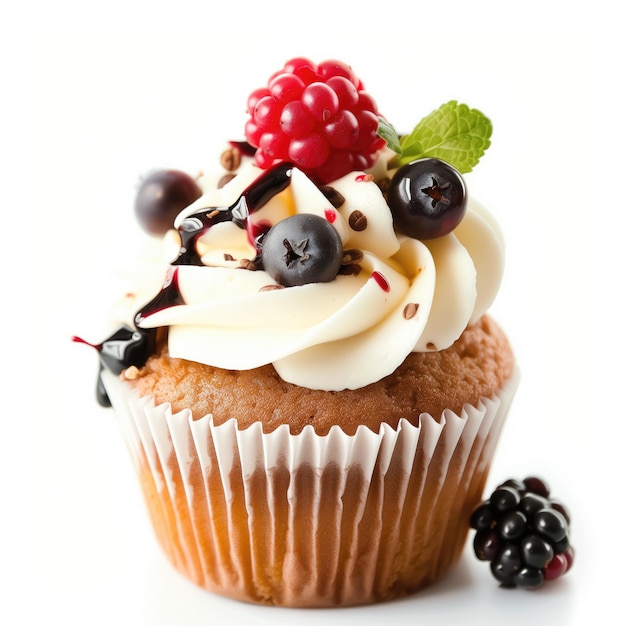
401,294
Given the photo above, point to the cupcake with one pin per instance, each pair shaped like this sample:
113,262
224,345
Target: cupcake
313,396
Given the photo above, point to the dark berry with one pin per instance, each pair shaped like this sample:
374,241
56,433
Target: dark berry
529,578
427,198
569,557
504,499
562,545
536,485
506,564
536,551
556,567
518,485
512,525
561,508
486,544
301,249
482,517
523,534
550,524
530,503
161,197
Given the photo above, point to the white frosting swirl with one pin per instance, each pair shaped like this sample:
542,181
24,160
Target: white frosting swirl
408,296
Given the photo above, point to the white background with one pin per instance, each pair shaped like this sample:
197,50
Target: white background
94,95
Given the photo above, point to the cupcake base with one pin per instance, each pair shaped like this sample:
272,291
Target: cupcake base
307,520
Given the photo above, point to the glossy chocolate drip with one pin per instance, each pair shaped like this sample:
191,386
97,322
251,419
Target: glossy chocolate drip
127,346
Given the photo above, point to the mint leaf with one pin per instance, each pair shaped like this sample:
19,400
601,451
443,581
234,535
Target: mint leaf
389,134
454,133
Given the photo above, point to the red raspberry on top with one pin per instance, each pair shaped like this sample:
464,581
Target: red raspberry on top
319,117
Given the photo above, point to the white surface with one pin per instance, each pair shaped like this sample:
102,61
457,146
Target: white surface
96,99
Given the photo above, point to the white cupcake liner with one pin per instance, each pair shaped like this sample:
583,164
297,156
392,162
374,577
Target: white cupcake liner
310,520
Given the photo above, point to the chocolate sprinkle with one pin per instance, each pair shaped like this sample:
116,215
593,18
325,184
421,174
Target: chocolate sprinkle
353,255
224,180
357,221
333,196
271,287
350,269
247,264
410,310
431,346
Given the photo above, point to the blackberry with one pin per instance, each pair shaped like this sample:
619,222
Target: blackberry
523,533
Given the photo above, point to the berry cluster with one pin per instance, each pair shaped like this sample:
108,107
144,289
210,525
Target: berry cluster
523,533
319,117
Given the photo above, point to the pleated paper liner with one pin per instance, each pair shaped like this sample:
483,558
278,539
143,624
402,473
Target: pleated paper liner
309,520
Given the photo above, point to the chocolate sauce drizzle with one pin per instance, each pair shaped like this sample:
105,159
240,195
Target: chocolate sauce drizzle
127,346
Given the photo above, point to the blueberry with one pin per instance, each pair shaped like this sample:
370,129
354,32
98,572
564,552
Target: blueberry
427,198
301,249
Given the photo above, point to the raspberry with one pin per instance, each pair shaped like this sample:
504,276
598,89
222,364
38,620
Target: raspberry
523,533
319,117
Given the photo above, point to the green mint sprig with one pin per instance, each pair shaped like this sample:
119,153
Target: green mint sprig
453,133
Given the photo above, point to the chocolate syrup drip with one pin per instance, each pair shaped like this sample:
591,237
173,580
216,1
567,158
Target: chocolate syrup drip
253,198
168,296
132,346
244,147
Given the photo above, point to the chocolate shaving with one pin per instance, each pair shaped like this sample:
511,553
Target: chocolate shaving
351,269
224,180
410,310
228,257
357,221
247,264
353,255
431,346
271,287
333,196
244,147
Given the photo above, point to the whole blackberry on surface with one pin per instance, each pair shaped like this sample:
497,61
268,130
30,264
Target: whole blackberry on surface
523,533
